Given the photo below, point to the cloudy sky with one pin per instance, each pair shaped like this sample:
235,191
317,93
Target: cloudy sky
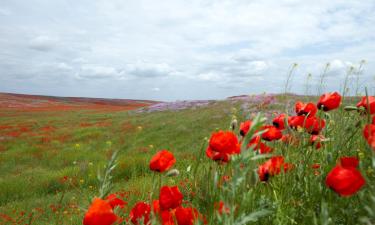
182,49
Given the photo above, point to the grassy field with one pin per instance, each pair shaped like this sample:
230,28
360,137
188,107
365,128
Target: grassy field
49,162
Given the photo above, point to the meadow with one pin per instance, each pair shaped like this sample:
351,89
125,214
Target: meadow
50,160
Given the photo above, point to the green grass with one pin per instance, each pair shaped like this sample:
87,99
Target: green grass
33,165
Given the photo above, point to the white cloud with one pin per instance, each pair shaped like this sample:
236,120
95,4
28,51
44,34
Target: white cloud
233,44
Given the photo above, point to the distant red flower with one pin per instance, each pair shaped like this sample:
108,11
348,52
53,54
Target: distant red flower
365,104
272,167
222,144
317,140
170,197
315,166
308,109
373,120
114,201
100,213
279,121
162,161
245,127
186,216
140,212
271,134
329,101
222,208
345,179
156,206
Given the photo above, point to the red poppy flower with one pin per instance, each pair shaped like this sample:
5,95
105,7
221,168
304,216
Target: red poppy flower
305,109
170,197
162,161
222,144
100,213
245,127
114,201
296,121
186,216
345,181
373,120
279,121
349,161
364,103
317,140
315,166
272,167
369,134
314,125
272,133
329,101
166,217
141,211
222,208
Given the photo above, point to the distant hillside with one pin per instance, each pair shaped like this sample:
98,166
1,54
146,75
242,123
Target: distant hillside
11,101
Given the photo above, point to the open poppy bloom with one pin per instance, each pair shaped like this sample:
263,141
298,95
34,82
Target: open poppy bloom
170,197
162,161
369,134
344,178
279,121
329,101
314,125
245,127
222,144
100,213
187,216
272,167
308,109
271,134
365,104
141,211
114,201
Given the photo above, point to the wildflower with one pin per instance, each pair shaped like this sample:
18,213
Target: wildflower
170,197
245,127
317,140
271,134
273,167
162,161
329,101
278,121
114,201
222,144
186,216
364,103
140,211
222,208
100,213
344,178
369,134
312,125
308,109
